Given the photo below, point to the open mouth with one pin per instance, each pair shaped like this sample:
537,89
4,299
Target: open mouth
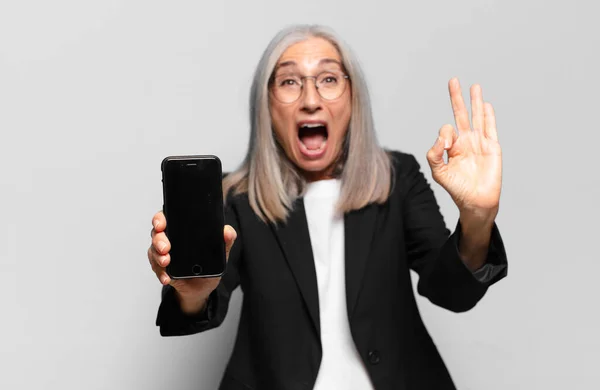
313,136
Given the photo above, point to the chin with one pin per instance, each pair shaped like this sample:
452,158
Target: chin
313,167
320,169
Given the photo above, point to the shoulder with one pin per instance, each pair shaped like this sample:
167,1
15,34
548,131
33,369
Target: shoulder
406,173
403,163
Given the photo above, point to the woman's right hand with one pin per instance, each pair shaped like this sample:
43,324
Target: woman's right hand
192,293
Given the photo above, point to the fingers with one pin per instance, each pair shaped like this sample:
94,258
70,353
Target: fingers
461,115
160,242
159,222
448,136
229,234
477,114
158,263
435,155
490,122
158,253
161,260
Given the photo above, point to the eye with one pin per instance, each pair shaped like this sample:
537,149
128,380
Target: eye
328,79
287,82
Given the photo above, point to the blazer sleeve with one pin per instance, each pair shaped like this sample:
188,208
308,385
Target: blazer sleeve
174,322
433,252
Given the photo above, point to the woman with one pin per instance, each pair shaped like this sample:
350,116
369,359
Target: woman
327,225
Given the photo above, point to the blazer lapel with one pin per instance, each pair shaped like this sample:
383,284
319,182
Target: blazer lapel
359,226
294,239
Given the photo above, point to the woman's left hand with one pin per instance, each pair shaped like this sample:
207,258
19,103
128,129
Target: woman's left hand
473,174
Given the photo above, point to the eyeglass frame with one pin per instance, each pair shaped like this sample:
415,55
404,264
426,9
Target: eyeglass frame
344,75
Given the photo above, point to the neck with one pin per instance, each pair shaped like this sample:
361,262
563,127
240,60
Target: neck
316,176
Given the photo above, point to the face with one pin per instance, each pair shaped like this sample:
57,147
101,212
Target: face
311,129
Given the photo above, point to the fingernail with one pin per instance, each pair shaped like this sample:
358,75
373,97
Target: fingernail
446,144
161,246
155,224
163,279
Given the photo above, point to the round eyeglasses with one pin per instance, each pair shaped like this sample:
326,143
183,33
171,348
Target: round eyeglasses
287,88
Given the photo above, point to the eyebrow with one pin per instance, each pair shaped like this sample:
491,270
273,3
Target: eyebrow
323,61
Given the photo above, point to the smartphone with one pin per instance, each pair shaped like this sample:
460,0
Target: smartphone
193,207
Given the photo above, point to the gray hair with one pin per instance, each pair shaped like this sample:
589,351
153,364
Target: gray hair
271,181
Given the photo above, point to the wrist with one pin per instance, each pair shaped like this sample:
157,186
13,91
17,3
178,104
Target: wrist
474,222
192,304
474,241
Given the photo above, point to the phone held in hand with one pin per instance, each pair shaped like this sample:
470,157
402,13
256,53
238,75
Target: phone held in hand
193,207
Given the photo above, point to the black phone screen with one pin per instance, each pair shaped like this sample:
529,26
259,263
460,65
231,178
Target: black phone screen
193,207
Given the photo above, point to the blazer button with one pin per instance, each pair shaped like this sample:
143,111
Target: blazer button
374,357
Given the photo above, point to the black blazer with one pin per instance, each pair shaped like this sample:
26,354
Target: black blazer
278,339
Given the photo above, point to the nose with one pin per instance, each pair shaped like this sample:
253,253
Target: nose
310,99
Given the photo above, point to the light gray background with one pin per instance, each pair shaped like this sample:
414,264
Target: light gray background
94,94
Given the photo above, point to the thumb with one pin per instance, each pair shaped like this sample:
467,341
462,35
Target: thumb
229,235
435,156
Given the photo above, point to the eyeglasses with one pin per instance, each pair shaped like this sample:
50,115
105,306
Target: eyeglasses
287,88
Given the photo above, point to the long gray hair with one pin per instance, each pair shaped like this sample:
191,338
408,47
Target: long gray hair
271,181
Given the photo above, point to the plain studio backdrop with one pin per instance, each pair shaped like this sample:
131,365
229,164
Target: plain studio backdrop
93,95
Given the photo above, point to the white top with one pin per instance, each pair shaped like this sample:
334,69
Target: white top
341,365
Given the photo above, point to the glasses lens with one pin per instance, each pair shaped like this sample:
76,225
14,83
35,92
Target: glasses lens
331,85
287,88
